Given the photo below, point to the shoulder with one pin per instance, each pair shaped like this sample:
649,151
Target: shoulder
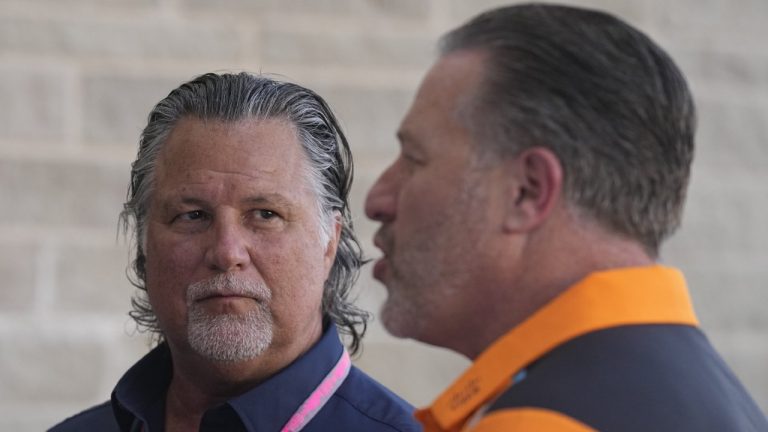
529,419
361,403
650,377
98,418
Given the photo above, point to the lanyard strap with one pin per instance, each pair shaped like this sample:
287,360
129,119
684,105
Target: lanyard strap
314,402
320,396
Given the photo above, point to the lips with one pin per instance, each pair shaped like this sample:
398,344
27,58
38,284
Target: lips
380,268
228,286
223,296
382,240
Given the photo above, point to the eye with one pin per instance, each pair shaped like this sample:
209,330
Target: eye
411,159
267,214
192,216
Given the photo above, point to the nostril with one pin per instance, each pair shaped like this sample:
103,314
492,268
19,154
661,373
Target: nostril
375,207
371,211
380,210
381,201
371,208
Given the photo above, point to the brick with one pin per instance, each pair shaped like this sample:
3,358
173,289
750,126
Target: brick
709,66
17,267
116,107
32,418
711,23
724,217
369,117
91,279
40,102
748,15
145,40
346,48
728,299
369,165
413,9
82,5
732,136
631,11
39,370
424,371
62,195
124,350
408,9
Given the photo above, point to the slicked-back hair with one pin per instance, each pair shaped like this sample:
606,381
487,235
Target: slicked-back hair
598,93
243,96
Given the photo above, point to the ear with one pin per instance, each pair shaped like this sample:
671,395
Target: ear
333,241
535,188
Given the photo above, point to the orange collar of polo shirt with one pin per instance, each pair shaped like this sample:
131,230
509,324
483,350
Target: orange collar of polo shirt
612,298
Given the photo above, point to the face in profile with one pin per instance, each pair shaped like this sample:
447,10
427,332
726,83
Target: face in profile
434,209
235,255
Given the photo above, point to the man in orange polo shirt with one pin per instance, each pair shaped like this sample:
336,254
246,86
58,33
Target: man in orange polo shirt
543,162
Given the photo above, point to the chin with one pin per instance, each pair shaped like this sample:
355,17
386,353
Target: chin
398,322
231,339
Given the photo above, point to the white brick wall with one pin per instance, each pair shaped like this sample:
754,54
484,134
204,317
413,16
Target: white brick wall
78,77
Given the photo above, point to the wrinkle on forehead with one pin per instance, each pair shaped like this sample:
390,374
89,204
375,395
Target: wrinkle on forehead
204,176
251,147
230,160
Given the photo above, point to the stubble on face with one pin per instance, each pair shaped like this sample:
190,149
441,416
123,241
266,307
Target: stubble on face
430,273
229,337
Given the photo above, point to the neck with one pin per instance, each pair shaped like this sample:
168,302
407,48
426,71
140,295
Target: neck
199,383
196,388
550,261
185,405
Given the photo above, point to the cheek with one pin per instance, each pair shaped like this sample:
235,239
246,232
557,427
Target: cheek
296,274
423,205
168,253
164,263
170,267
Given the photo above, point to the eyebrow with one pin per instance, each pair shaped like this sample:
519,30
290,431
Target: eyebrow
168,204
404,136
268,198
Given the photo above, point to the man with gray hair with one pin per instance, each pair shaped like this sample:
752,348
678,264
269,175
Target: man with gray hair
245,257
543,162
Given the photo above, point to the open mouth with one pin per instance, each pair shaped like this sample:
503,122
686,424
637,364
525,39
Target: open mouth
380,268
225,296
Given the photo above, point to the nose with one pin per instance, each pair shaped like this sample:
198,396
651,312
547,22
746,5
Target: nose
228,249
381,202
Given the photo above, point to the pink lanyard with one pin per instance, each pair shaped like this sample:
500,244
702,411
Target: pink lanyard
320,395
317,399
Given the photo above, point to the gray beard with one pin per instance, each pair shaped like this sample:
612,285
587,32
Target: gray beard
229,337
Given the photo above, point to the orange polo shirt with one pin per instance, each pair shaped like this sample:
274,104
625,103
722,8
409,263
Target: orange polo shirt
613,298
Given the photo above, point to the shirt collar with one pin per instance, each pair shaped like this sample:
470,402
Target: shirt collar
270,405
140,393
629,296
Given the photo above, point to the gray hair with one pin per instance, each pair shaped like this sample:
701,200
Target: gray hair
601,95
233,97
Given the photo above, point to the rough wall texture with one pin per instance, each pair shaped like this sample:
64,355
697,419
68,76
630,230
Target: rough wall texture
77,78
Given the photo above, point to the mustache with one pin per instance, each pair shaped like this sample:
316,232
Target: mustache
383,240
228,284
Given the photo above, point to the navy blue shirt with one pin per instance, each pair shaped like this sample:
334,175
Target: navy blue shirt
638,378
359,404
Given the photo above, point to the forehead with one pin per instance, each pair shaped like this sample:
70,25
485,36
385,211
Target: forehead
452,82
255,148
